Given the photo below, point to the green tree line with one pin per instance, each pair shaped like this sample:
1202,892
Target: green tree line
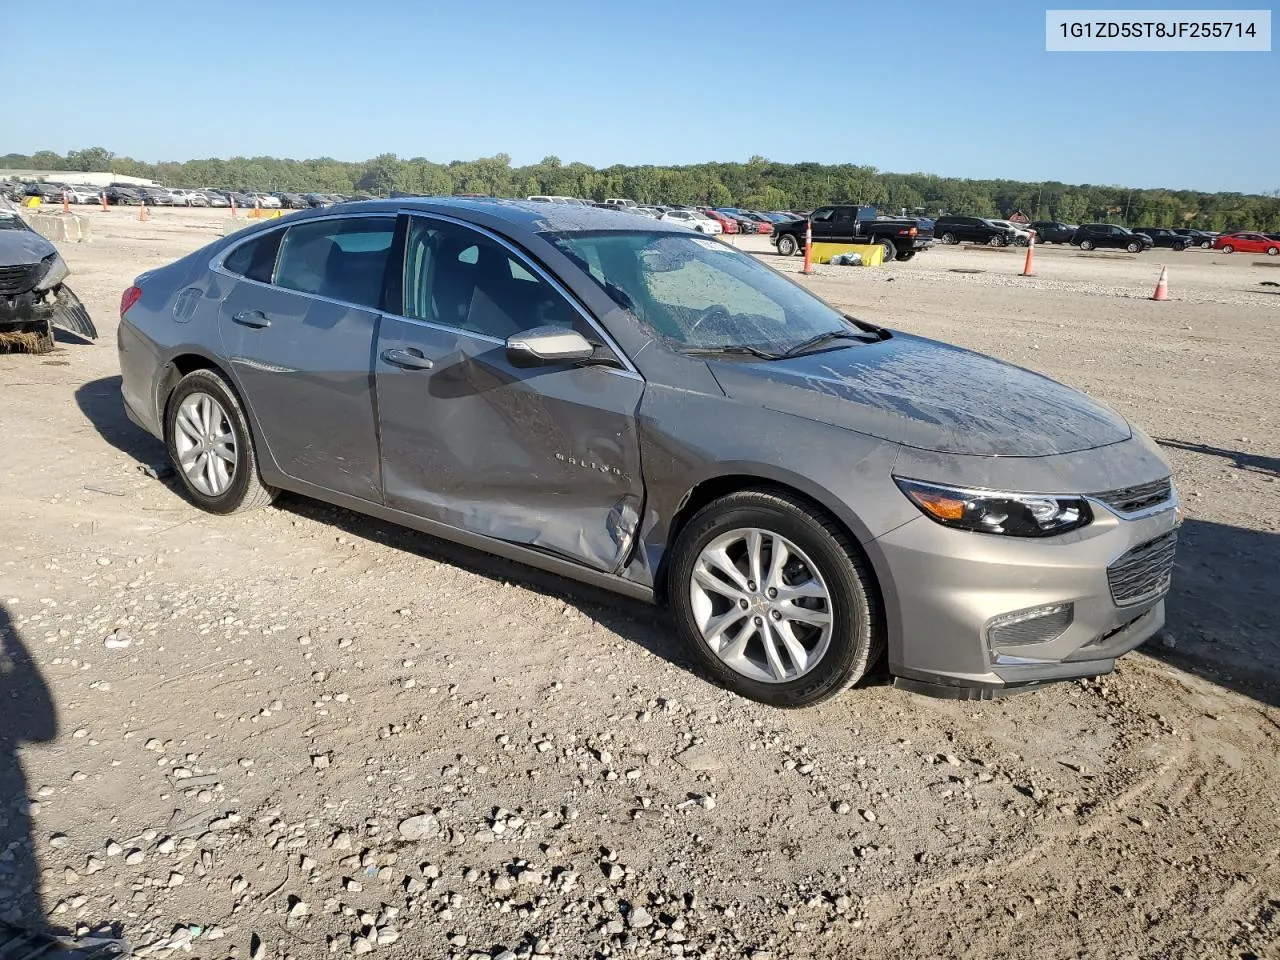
758,184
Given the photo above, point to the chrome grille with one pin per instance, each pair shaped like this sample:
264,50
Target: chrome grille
18,279
1137,498
1144,572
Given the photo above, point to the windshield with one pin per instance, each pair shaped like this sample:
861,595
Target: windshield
698,293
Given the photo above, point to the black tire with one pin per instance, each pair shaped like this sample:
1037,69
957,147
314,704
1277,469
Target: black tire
857,638
788,245
1179,246
1086,245
949,239
905,255
1133,247
997,241
1228,248
247,491
1273,251
890,249
1206,244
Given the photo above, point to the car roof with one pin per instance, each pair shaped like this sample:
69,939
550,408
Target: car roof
529,215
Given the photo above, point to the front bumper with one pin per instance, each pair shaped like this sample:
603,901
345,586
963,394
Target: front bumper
953,584
37,312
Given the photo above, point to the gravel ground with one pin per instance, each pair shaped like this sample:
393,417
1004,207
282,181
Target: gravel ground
302,732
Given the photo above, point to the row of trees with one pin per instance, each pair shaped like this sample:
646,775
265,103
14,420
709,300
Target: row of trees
758,184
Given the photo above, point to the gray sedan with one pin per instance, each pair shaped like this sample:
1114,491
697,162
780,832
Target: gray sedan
654,412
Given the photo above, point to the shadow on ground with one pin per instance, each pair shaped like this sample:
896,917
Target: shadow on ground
1242,460
1222,613
102,406
27,715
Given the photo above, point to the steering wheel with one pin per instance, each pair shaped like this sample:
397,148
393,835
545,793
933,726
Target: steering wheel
717,310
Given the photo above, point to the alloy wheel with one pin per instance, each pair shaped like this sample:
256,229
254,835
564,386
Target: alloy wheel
761,605
206,444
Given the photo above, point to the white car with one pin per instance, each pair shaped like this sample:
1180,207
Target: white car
693,220
1022,234
180,197
84,194
553,198
196,199
266,201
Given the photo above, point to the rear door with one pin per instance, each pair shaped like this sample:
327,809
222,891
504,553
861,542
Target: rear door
547,457
298,327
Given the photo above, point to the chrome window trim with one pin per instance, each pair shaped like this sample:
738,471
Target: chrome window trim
538,270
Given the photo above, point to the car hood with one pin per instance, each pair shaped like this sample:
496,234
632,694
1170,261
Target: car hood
928,395
22,247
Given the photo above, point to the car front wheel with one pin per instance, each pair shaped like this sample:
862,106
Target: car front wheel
773,599
787,245
1086,244
211,446
1133,247
996,242
1228,248
949,238
1179,247
1273,251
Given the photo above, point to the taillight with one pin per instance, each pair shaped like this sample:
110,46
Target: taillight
128,299
912,232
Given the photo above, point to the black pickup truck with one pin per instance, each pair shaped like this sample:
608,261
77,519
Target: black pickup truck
901,237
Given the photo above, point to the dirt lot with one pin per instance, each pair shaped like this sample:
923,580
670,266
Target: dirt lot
298,682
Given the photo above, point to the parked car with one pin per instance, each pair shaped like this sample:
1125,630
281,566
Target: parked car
620,202
1199,238
1021,232
156,196
1091,235
803,488
215,199
727,223
1247,243
123,195
318,199
294,201
758,223
1163,237
179,196
266,201
951,229
83,193
34,296
693,220
1053,231
46,192
901,237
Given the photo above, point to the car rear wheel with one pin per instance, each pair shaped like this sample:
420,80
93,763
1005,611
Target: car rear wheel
787,245
1086,244
211,446
1228,248
996,241
905,255
1133,246
949,239
773,599
890,250
1206,244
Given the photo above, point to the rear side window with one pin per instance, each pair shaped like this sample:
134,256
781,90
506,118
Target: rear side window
344,259
256,259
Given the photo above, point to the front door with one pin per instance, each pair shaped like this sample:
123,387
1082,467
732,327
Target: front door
546,457
299,329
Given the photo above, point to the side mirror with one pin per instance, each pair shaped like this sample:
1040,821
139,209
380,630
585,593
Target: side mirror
548,345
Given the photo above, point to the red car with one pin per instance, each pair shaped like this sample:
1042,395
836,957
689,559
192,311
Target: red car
730,226
763,225
1247,243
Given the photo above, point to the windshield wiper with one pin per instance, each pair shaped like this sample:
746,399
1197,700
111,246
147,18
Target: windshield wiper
822,338
731,349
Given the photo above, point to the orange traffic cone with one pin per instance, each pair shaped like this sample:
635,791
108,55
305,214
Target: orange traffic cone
142,211
1028,269
808,248
232,198
257,209
66,204
1162,285
103,196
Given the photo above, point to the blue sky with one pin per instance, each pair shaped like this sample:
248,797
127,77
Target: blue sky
954,88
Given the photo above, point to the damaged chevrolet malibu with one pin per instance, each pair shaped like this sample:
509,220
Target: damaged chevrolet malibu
642,408
34,299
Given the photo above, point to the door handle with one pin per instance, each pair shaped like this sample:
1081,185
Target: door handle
252,318
410,360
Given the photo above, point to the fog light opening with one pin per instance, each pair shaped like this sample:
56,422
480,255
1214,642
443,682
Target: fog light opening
1034,625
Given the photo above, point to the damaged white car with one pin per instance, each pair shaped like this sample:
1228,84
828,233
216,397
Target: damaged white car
33,296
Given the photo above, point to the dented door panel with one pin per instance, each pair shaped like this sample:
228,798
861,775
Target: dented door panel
546,457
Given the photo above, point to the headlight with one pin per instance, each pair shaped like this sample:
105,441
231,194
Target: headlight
990,511
55,271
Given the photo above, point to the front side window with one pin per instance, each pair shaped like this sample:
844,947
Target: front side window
458,277
698,293
344,259
823,215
